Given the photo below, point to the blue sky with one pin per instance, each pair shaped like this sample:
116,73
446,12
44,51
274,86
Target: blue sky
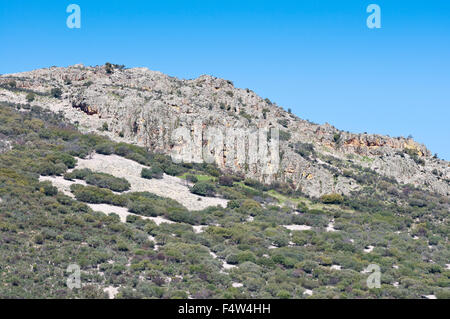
316,57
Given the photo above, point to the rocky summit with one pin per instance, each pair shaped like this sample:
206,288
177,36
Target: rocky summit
143,107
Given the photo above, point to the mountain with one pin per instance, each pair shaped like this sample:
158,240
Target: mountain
144,107
88,183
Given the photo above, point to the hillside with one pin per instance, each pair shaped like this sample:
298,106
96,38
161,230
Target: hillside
85,178
144,107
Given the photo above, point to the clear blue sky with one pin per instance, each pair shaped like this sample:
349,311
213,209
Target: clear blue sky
316,57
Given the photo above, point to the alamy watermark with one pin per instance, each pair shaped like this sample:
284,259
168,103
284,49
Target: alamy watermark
228,147
74,278
74,19
374,279
374,20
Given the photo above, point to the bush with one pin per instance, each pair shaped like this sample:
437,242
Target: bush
39,239
283,122
284,294
253,183
232,204
48,169
284,135
56,92
99,179
48,189
78,174
144,207
108,181
105,148
191,178
154,172
337,138
93,195
173,170
204,189
332,199
213,170
226,180
304,149
104,128
251,207
30,97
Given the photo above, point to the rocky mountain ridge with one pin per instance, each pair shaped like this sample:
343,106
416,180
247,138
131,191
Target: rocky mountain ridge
144,107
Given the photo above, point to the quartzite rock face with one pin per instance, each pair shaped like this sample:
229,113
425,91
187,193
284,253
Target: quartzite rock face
144,107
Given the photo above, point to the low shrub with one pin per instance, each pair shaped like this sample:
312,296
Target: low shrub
154,172
204,189
332,199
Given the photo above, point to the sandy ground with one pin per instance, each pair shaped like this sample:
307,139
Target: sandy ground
64,186
225,265
123,213
330,226
308,292
112,291
169,186
228,266
61,184
336,267
199,229
297,227
369,249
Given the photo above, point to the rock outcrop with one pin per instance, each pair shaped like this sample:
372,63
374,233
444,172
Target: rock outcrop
145,107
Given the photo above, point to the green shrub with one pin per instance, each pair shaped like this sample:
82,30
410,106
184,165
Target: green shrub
105,127
30,97
105,148
204,189
78,174
48,189
108,181
173,170
332,199
253,183
92,194
337,138
304,149
283,122
154,172
284,135
191,178
101,180
144,207
226,180
49,169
